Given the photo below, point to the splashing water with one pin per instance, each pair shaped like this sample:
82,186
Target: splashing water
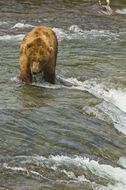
116,177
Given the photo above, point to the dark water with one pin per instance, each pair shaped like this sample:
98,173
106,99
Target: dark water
71,135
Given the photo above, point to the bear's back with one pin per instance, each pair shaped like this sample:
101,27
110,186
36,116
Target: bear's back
46,34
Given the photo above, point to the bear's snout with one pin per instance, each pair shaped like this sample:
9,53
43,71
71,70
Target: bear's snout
34,72
35,68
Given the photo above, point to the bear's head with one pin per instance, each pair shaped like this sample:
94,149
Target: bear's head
38,55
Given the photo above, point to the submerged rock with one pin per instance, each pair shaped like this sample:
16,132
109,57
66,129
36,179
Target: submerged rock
105,9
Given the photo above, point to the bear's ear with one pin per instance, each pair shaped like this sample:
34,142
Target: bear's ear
29,45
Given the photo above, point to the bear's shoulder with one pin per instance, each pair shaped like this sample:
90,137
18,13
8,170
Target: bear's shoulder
40,32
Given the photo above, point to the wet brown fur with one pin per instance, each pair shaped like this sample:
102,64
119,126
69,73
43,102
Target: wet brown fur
38,53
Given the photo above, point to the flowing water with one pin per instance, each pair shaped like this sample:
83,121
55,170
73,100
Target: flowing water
71,135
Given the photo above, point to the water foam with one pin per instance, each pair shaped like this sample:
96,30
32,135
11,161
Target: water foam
122,161
121,11
107,112
118,117
3,23
113,105
74,32
75,28
62,34
115,176
116,97
18,37
93,34
5,165
22,25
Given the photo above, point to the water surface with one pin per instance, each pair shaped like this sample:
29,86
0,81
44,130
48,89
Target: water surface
71,135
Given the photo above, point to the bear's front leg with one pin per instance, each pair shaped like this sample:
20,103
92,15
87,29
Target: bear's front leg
25,72
49,75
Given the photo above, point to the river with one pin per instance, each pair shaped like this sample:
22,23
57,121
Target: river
71,135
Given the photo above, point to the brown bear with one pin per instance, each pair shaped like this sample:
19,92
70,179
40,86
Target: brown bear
38,53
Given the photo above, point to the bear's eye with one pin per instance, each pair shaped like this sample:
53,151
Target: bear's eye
33,59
